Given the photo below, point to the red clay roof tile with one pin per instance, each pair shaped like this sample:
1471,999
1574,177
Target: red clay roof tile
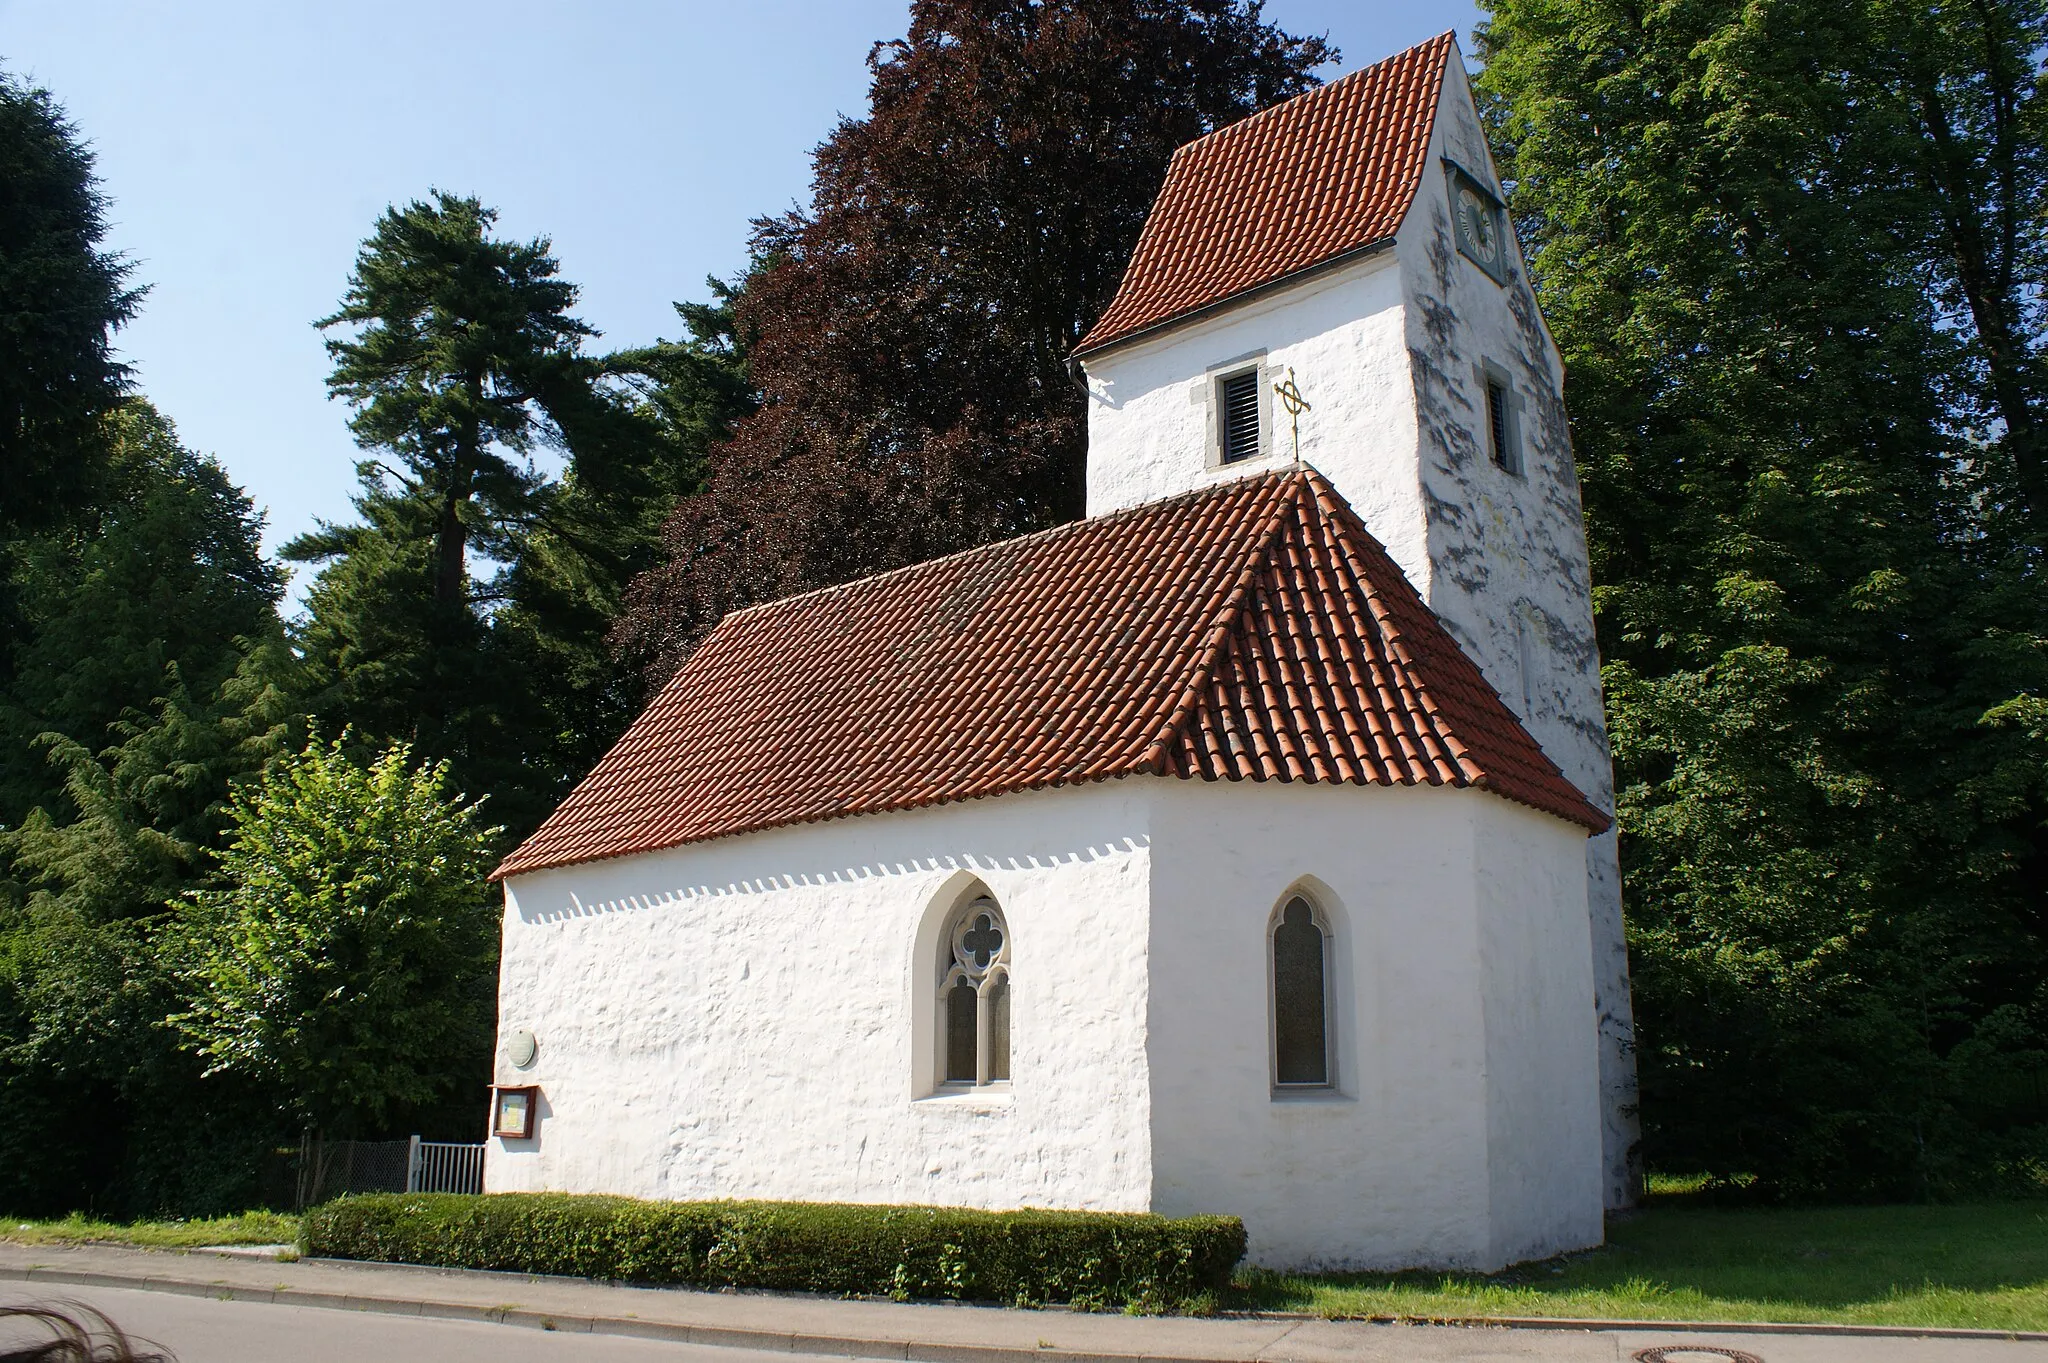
1249,631
1290,188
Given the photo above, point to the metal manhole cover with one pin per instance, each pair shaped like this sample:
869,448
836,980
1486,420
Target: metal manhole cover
1693,1353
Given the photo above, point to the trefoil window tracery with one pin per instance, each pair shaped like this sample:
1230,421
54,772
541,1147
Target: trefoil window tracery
974,996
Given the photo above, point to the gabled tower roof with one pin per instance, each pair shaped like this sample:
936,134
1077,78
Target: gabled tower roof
1253,630
1304,184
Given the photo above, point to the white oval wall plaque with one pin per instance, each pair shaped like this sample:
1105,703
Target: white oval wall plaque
521,1049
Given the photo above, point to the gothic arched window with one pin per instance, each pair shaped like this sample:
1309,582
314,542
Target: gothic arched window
974,996
1301,997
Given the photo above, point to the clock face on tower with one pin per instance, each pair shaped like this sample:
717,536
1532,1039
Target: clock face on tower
1481,225
1479,217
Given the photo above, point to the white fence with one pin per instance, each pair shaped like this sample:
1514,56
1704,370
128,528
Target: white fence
445,1167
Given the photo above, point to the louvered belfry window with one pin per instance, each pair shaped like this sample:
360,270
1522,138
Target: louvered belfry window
1239,425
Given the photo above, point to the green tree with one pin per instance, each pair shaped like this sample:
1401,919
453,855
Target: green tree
348,960
61,297
462,363
449,343
459,338
154,675
161,588
909,330
1805,492
142,670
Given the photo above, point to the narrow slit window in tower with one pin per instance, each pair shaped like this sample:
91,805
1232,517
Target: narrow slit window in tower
1500,426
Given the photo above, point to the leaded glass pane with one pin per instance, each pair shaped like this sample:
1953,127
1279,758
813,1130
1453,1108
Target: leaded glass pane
1299,1014
961,1005
982,940
999,1030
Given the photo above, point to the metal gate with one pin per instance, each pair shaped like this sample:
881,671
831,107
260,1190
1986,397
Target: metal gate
331,1169
445,1167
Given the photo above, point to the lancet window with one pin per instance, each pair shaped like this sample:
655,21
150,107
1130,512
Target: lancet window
1301,997
974,996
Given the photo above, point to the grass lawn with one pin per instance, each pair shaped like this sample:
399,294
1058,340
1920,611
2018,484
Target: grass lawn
250,1228
1979,1265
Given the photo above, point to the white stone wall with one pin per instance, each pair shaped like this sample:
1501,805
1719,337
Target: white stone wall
1388,350
1460,984
1508,571
751,1018
1543,1103
741,1018
1343,333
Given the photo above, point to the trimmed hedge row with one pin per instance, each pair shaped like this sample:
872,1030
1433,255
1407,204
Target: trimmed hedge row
1100,1260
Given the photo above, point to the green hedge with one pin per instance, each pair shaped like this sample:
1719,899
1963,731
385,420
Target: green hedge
1100,1260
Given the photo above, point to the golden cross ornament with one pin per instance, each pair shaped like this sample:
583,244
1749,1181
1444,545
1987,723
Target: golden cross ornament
1291,398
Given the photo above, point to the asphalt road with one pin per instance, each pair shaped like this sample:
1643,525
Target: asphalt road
198,1329
203,1330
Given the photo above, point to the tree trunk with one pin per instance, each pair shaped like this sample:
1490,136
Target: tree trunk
1987,291
451,536
451,550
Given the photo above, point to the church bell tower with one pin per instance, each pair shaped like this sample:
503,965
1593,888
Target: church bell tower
1335,282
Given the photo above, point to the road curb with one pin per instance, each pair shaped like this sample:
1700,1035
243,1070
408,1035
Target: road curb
726,1336
908,1350
1821,1329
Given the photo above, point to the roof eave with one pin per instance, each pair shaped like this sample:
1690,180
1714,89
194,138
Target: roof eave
1192,315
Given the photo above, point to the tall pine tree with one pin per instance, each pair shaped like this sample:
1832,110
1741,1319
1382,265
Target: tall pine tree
62,294
465,611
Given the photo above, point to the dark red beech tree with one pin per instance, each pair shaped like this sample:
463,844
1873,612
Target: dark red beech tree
909,332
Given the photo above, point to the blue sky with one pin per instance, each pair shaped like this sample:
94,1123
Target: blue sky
248,148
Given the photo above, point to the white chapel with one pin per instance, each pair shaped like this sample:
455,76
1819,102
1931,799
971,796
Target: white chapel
1244,847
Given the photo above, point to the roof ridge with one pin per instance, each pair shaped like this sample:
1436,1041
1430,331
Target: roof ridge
1400,647
1331,84
1295,187
1157,756
1028,537
1426,672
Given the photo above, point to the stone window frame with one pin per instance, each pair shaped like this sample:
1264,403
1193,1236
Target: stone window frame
1331,1084
991,983
1489,376
1210,395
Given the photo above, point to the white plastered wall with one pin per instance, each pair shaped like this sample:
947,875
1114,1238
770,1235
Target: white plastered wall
1459,985
739,1018
1388,349
1150,428
1542,1061
749,1018
1508,567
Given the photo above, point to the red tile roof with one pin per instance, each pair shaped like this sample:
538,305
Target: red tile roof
1288,189
1249,631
